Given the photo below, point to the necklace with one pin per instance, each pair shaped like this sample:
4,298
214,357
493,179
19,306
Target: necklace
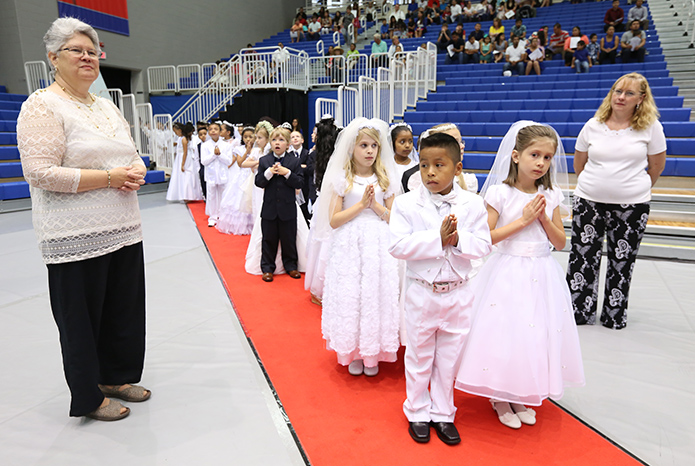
112,130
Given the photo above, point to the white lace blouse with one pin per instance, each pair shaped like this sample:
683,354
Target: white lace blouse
57,137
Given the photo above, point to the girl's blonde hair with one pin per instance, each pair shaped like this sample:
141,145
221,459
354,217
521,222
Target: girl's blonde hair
645,114
378,166
524,138
264,126
443,128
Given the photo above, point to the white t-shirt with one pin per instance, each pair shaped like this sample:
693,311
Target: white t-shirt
615,172
474,46
455,11
515,53
314,27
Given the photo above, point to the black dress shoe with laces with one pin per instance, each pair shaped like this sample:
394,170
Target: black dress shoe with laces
420,431
447,433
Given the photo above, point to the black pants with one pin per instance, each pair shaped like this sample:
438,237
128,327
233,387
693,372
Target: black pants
283,232
99,307
623,225
607,57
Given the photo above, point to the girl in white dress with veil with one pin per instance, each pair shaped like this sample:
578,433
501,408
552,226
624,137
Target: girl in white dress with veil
184,184
360,317
523,345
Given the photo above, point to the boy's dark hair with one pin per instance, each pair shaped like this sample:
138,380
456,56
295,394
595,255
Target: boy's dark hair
443,141
592,36
581,42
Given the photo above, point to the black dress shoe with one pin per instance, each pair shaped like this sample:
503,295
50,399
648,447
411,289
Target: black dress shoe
420,431
447,433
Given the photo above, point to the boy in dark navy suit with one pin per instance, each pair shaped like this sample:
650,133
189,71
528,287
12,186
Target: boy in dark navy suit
279,174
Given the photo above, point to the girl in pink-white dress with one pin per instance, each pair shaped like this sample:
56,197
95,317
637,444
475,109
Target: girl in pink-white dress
523,346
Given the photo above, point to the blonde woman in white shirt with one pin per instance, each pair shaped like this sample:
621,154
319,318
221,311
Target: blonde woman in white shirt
619,155
84,171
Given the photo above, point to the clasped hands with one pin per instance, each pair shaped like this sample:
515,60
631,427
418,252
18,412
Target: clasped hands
448,231
535,209
128,178
278,169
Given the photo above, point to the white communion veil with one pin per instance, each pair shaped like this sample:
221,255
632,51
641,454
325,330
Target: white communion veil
334,181
558,168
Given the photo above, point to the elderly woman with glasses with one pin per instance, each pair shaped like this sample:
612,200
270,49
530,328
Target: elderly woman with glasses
84,171
618,157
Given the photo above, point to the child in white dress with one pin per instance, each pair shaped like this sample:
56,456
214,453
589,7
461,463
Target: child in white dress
403,152
233,220
523,346
360,317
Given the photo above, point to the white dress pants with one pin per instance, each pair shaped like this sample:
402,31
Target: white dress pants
214,199
436,326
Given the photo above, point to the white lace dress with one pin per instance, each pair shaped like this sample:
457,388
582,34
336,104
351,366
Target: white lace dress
57,137
523,346
233,220
360,317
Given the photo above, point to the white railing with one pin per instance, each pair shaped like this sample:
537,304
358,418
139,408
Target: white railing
162,137
144,118
432,66
366,97
272,67
37,75
162,79
116,96
347,105
357,65
212,97
326,107
322,71
131,115
384,95
188,77
400,86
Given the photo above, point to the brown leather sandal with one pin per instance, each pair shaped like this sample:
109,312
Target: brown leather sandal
134,393
110,412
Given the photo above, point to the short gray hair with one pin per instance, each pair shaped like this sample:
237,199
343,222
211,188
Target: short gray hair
377,35
62,30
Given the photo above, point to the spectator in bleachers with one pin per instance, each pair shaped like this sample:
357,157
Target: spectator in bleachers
488,12
609,47
434,16
300,16
411,28
557,42
396,47
296,32
379,51
500,10
370,12
471,51
348,19
486,50
335,64
326,23
393,24
496,28
454,50
614,17
456,15
446,15
397,13
470,13
534,56
384,30
525,9
84,171
519,29
421,24
619,155
639,13
594,48
571,44
499,47
632,43
314,28
351,56
338,21
581,61
444,38
542,34
515,56
478,32
461,32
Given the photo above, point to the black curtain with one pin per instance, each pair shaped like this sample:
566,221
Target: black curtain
281,105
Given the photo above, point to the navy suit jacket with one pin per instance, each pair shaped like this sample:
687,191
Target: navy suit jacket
279,195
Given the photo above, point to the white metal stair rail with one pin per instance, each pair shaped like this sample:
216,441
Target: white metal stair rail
214,95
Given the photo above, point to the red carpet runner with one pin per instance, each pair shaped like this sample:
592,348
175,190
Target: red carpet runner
358,421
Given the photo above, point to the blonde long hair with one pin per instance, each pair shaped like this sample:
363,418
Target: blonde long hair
645,114
378,166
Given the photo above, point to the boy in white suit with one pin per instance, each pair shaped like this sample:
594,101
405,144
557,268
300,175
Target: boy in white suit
437,229
216,155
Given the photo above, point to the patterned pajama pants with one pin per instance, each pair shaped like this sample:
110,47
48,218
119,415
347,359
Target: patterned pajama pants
623,225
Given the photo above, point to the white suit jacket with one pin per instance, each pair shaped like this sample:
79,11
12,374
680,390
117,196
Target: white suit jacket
216,165
415,233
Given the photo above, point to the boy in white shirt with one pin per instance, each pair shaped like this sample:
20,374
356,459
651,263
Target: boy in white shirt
426,233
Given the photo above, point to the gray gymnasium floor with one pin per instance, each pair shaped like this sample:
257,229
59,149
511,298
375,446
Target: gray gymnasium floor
212,405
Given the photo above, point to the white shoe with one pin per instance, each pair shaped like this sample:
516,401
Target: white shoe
505,414
371,371
212,222
356,367
526,415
